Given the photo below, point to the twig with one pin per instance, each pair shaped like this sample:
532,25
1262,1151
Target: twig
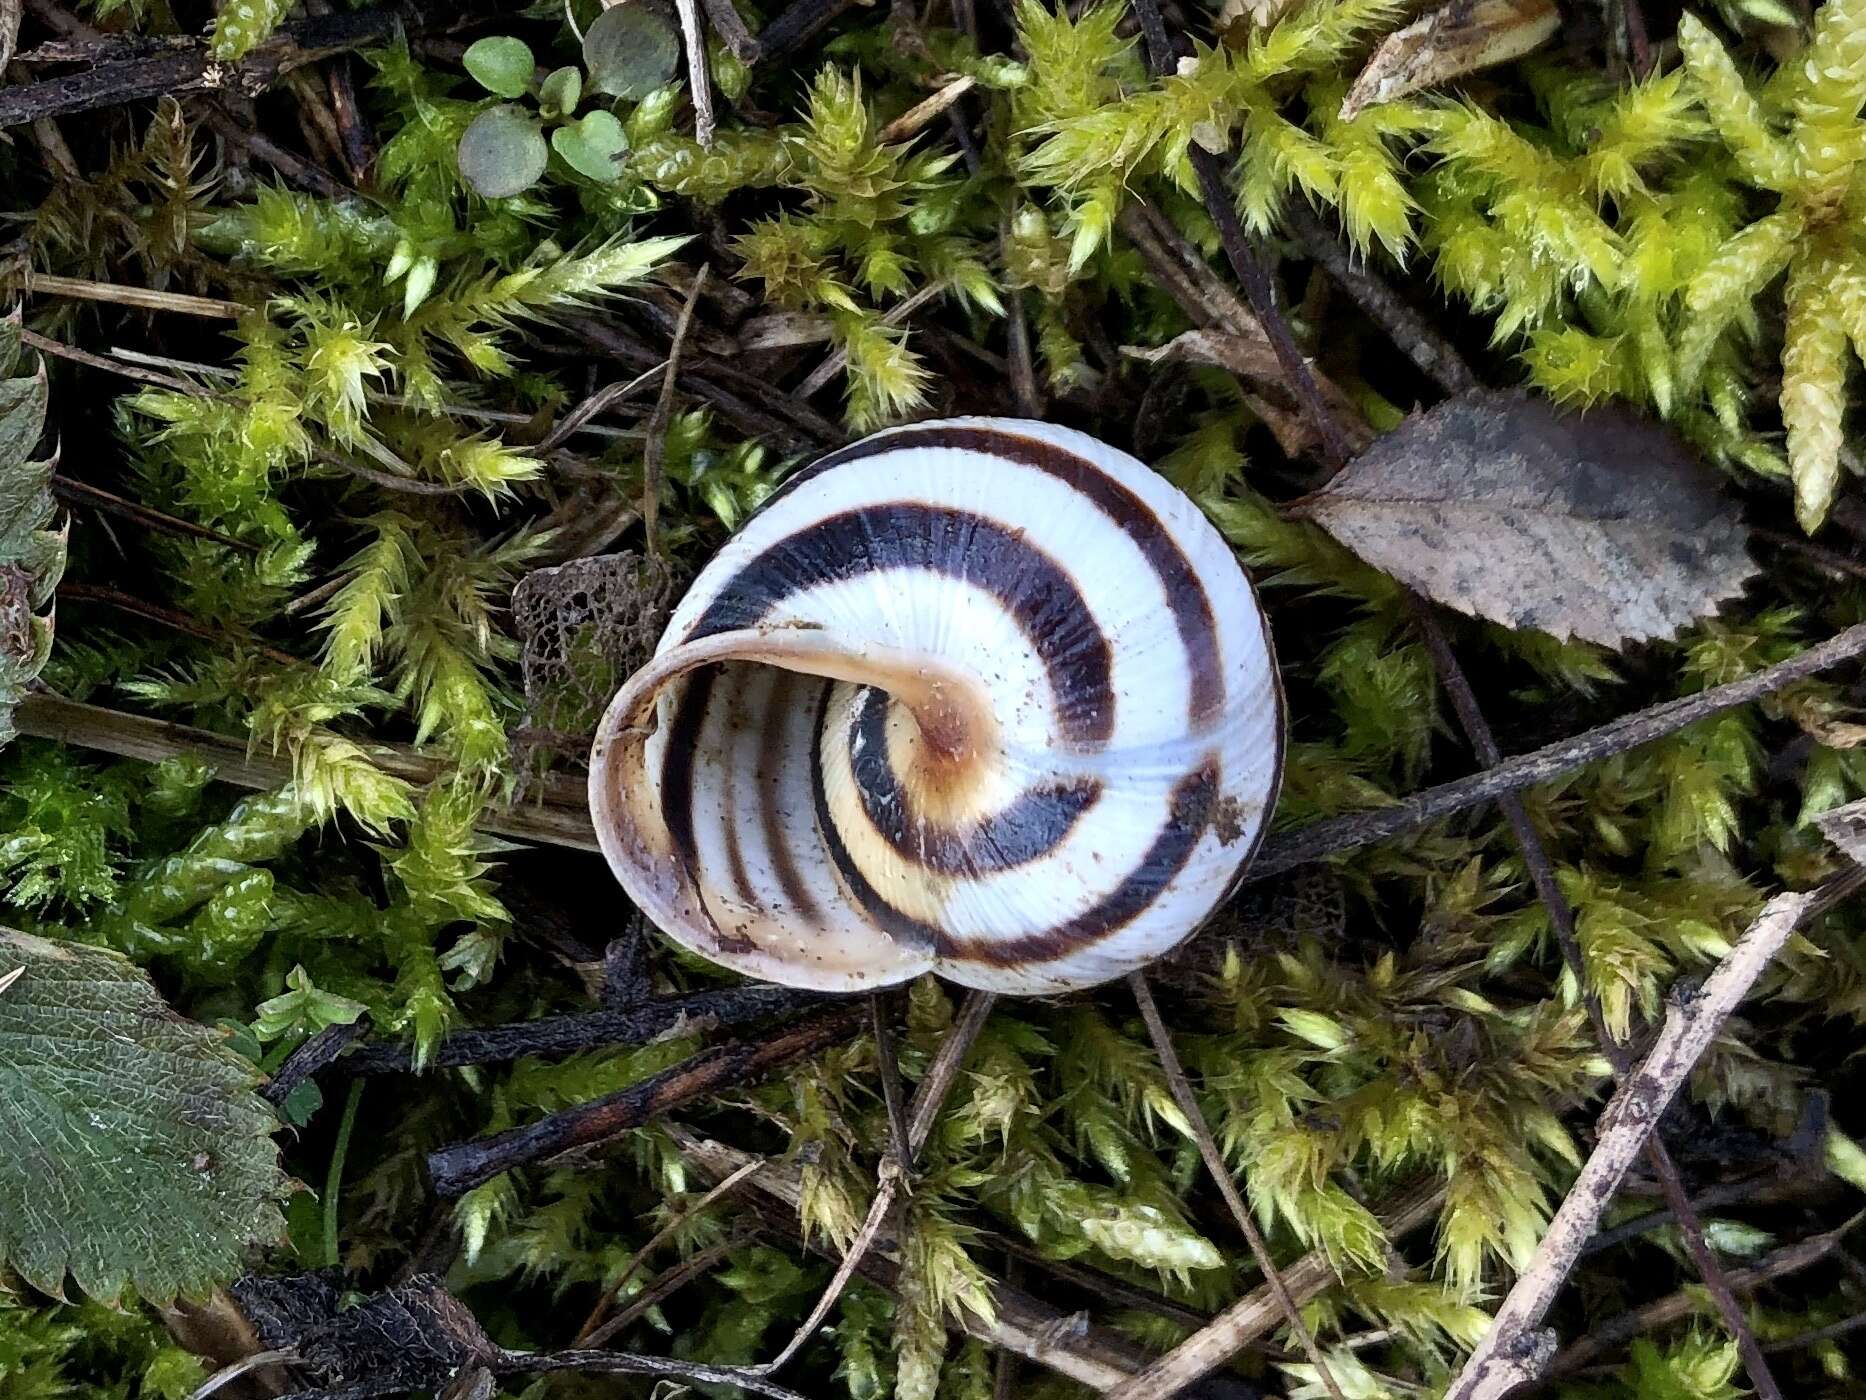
621,1363
655,448
71,490
699,78
1023,1324
314,1056
389,481
300,172
833,363
1258,1311
1099,1285
1626,1124
669,1282
1285,850
457,1169
1816,1335
931,1094
1435,356
1221,1174
1561,919
143,298
1254,274
890,1178
1712,1198
1676,1307
790,424
1211,305
175,621
1025,390
909,122
1246,259
189,67
602,400
731,30
795,25
63,351
553,1037
887,1187
1191,282
889,1066
356,141
595,1331
560,817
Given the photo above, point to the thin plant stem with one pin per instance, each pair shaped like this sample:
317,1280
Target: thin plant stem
655,449
595,1331
333,1179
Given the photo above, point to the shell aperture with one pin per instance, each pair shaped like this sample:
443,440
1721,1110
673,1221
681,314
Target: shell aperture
982,696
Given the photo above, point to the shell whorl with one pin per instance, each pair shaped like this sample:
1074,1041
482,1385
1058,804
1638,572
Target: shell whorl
983,696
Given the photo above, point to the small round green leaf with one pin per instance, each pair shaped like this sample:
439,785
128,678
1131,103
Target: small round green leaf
561,92
502,65
592,146
630,51
502,152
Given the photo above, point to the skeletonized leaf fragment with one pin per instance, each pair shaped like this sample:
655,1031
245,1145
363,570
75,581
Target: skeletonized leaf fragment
1600,525
1453,40
1845,827
137,1151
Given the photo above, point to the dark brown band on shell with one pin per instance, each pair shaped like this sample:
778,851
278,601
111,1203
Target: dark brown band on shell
1190,604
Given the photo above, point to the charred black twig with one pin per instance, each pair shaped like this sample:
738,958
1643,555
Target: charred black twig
311,1058
552,1037
457,1169
189,67
795,26
295,169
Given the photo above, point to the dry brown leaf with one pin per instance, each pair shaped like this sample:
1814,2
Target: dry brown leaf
1845,827
1820,718
1456,39
1601,525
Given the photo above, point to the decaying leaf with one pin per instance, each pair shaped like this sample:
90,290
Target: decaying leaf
1845,827
1453,40
1601,525
136,1150
32,555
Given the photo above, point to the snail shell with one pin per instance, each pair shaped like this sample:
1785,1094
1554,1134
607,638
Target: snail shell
984,697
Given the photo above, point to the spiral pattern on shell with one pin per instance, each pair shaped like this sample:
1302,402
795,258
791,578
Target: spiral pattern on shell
982,696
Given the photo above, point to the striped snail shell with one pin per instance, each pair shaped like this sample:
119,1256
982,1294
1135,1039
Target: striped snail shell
984,697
